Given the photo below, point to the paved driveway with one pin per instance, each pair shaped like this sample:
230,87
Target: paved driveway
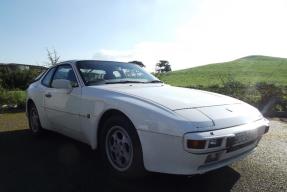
57,163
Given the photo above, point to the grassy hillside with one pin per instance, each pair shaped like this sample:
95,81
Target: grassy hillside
248,70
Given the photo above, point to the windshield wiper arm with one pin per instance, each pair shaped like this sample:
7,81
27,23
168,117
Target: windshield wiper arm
118,82
95,82
154,81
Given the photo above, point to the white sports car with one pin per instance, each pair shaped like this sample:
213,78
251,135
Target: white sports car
139,123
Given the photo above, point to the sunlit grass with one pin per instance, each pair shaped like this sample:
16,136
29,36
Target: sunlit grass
13,121
248,70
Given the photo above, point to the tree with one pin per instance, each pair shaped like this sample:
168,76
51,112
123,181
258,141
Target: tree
139,63
53,57
162,66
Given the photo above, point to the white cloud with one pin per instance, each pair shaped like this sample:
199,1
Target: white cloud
220,30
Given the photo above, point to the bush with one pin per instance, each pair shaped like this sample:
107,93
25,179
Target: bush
267,97
13,100
17,79
273,98
17,98
3,96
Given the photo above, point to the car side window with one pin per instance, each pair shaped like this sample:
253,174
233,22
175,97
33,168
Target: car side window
66,72
47,79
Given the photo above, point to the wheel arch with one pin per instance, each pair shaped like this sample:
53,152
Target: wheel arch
104,117
29,103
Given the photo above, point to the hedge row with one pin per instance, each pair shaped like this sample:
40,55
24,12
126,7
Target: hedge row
267,97
12,100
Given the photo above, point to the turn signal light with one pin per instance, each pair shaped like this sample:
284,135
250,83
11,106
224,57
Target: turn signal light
196,144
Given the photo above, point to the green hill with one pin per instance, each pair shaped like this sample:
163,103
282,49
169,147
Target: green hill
248,70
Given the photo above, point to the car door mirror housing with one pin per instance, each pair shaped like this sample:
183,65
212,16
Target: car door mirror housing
62,84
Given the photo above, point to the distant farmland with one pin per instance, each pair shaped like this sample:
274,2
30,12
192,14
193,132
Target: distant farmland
248,70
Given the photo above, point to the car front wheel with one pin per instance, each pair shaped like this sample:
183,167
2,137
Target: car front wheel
121,148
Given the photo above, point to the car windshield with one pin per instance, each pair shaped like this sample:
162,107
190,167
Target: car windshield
108,72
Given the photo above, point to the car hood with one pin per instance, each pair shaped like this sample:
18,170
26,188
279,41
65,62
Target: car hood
174,98
208,110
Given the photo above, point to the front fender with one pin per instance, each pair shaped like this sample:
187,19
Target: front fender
143,114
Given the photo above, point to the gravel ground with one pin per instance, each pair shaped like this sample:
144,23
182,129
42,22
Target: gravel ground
266,168
57,163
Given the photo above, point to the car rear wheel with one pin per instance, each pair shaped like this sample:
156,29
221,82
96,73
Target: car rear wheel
121,148
34,120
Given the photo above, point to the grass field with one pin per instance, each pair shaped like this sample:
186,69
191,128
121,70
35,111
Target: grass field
13,121
248,70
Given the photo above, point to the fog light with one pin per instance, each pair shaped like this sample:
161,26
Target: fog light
196,144
212,157
266,129
214,143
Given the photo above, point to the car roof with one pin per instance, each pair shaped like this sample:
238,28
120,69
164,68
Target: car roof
74,61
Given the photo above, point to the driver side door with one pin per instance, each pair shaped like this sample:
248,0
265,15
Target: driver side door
62,106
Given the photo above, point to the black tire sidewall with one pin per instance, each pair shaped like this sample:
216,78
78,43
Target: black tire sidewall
40,129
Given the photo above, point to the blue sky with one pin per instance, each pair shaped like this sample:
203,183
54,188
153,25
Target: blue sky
185,32
79,28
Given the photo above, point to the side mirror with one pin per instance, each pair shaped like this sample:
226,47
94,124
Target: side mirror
62,84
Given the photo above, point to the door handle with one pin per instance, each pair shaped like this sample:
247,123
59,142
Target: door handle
48,95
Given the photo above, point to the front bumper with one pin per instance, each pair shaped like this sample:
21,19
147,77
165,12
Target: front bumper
169,154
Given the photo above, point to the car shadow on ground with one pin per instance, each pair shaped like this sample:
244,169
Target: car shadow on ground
57,163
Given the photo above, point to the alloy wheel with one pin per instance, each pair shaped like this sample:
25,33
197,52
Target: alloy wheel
119,148
34,120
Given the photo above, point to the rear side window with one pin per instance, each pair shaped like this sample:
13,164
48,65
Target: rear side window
47,79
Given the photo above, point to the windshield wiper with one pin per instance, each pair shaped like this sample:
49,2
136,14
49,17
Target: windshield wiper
118,82
154,81
95,82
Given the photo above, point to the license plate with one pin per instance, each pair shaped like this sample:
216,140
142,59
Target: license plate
243,137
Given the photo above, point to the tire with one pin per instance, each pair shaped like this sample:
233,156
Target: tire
34,120
121,149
